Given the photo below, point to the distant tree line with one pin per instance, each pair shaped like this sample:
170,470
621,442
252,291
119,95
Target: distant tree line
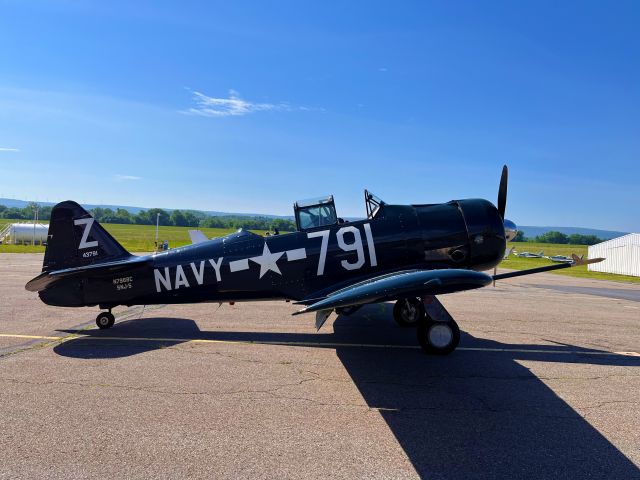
178,218
194,218
559,237
26,213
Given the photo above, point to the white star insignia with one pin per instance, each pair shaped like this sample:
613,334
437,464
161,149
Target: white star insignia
267,261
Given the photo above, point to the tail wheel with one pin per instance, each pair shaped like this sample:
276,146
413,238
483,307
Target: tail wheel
408,312
438,338
105,320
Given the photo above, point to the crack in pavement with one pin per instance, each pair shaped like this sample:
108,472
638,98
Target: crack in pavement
275,392
39,343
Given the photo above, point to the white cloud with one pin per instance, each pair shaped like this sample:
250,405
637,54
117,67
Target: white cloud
6,149
383,69
127,177
234,106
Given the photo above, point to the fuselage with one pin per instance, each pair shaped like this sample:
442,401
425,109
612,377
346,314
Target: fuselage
465,234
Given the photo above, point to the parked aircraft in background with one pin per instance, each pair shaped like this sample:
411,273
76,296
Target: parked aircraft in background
540,254
508,252
406,253
561,259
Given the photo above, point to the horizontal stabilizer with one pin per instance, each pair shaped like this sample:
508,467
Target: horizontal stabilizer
45,279
197,236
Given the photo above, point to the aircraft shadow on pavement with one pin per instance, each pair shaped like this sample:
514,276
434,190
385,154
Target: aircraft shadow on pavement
472,414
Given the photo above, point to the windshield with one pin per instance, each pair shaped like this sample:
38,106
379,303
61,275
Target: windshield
316,216
372,203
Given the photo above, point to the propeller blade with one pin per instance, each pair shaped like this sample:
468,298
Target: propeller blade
502,192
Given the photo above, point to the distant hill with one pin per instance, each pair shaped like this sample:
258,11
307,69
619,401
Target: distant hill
10,202
531,232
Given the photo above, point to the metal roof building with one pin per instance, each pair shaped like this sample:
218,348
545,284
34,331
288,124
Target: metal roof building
622,255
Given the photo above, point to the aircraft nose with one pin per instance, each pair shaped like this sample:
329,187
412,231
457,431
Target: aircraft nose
510,230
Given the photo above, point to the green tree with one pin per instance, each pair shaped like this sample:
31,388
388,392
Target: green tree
520,237
283,224
30,210
123,216
552,237
148,217
178,218
191,219
578,239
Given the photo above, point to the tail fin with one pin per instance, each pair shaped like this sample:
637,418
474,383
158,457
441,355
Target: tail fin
75,239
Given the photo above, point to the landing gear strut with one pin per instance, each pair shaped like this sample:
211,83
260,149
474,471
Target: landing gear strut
438,333
408,312
105,320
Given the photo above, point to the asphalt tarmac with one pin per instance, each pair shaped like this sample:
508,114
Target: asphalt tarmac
545,384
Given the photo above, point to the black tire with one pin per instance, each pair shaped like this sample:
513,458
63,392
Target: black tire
105,320
438,338
408,312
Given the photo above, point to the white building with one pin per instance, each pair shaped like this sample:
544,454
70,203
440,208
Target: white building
622,255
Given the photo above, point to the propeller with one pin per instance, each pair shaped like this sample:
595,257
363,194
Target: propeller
502,191
510,228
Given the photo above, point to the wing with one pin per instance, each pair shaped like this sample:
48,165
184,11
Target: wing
417,283
197,236
575,262
400,284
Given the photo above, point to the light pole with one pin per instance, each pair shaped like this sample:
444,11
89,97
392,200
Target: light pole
157,225
35,220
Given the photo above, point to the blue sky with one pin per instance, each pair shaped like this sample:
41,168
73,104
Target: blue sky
248,106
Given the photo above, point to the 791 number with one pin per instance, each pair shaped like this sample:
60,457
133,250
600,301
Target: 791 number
354,246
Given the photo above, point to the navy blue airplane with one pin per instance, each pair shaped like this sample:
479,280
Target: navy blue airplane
406,253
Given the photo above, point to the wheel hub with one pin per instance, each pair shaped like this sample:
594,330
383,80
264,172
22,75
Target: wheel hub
440,335
409,312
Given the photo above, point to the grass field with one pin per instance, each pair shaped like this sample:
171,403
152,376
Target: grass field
517,263
140,238
135,238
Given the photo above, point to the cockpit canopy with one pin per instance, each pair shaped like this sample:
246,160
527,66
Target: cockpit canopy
321,212
316,212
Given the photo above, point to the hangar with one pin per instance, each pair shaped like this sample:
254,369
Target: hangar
622,255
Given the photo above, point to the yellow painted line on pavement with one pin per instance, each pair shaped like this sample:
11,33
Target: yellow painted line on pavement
34,337
80,336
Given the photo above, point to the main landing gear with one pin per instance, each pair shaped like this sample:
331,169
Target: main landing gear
437,331
408,312
105,320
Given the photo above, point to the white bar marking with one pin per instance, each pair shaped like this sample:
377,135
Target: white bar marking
238,265
297,254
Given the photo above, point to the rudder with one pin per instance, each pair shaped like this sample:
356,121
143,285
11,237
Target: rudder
76,239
